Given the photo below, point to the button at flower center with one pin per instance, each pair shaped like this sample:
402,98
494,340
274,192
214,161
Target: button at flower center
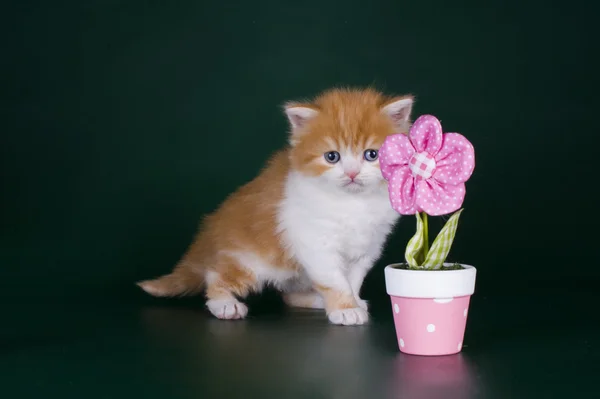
422,165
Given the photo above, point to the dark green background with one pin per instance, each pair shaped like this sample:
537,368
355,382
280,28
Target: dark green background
123,122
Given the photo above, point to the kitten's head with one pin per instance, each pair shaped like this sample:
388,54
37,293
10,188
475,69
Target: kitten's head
335,139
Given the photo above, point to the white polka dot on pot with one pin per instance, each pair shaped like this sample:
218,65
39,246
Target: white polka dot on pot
459,346
430,328
396,308
465,313
401,343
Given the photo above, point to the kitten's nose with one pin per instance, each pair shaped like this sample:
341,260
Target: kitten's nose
352,174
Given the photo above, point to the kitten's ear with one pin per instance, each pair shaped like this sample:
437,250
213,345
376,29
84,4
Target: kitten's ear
299,114
399,109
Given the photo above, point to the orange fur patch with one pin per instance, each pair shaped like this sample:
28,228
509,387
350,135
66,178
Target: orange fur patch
335,300
233,278
245,222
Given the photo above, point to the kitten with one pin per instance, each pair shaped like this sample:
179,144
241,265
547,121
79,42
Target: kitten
312,223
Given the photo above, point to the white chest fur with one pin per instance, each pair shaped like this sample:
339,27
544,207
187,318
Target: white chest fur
352,225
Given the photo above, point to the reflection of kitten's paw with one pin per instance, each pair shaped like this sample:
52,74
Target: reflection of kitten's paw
362,304
228,309
349,317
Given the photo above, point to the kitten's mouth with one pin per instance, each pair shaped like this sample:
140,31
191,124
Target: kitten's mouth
353,183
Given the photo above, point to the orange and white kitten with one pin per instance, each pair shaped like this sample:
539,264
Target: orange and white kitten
312,223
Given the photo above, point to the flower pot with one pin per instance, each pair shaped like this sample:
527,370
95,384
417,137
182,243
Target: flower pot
430,308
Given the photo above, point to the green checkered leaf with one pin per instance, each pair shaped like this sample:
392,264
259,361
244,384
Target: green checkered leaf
414,248
442,243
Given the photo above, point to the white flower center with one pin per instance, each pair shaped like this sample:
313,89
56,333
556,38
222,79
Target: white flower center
422,165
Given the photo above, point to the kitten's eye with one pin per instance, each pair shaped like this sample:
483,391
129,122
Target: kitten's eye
371,155
332,156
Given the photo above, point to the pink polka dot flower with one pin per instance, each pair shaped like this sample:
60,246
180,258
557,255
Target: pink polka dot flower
427,169
426,173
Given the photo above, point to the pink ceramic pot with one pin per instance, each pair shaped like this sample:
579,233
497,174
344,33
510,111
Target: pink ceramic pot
430,308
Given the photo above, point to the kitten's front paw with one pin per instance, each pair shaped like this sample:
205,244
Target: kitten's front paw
349,317
227,309
363,304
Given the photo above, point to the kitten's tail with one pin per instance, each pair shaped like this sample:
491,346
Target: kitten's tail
182,281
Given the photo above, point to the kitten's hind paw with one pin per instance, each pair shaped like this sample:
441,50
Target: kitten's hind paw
310,300
227,309
349,317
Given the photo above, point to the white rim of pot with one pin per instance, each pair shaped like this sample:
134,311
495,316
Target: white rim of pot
436,284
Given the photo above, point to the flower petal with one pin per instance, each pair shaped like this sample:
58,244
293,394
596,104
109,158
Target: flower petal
426,134
455,161
437,199
402,191
395,151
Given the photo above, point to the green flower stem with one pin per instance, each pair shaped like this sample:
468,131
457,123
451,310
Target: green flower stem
425,235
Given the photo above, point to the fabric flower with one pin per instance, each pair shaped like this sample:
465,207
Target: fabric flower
426,170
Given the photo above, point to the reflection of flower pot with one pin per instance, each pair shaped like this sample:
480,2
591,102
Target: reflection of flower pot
434,377
430,308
